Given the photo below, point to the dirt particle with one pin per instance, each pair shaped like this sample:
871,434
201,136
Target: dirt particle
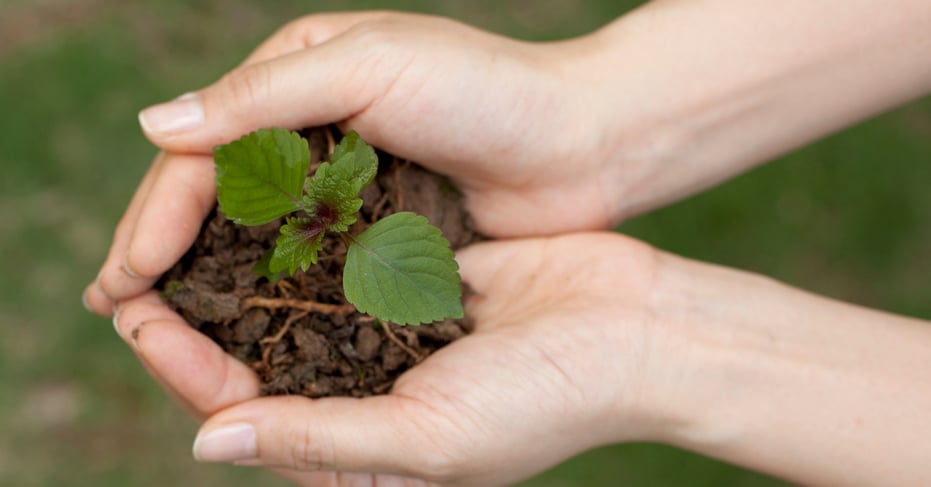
311,346
368,341
251,328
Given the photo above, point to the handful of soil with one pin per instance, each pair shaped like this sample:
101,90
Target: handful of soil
299,334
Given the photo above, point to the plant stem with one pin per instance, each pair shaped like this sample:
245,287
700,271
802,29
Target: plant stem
347,239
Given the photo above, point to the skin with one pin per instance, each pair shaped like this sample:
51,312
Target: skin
553,143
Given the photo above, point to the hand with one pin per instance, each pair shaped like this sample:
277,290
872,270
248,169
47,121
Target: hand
542,138
668,131
501,117
583,340
552,369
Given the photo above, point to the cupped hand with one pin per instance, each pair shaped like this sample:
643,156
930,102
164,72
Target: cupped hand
554,367
507,120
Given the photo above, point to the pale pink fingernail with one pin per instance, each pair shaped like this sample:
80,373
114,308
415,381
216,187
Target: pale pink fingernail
84,301
99,287
128,270
179,115
116,319
230,443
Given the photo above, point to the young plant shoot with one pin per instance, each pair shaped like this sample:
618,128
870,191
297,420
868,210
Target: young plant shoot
399,270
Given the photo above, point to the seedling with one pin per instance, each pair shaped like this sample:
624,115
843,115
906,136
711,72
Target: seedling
400,269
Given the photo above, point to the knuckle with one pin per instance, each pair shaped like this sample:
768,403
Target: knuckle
308,450
297,31
441,466
441,460
374,35
313,29
247,87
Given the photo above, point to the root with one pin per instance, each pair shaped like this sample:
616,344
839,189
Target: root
301,304
380,206
397,341
304,306
269,342
286,288
399,204
330,143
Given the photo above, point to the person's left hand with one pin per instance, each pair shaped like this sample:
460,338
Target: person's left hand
554,318
521,138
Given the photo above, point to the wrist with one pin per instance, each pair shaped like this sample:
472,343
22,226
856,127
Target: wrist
756,373
712,344
686,97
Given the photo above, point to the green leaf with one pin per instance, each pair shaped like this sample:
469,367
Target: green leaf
300,240
332,199
333,193
355,160
402,270
261,175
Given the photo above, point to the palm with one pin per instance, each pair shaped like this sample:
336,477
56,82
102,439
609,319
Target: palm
478,403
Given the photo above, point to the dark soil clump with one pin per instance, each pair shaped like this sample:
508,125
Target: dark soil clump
299,334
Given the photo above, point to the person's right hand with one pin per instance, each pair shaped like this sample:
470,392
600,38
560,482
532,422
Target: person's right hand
556,365
582,340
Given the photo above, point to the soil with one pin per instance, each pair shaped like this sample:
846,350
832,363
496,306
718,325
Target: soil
299,334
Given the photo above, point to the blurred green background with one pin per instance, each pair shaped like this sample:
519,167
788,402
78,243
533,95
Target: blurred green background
847,217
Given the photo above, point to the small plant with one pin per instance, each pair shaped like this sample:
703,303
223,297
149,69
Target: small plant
400,269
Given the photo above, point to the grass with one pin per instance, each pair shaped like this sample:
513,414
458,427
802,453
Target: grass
846,217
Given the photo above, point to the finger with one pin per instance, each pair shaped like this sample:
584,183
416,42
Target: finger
307,32
112,271
171,393
192,391
327,83
185,361
169,222
375,434
489,267
166,224
96,301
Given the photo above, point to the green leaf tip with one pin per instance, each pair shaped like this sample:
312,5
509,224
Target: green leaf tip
260,177
297,247
332,198
355,160
402,270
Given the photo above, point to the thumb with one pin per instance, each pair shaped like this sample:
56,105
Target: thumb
382,434
322,84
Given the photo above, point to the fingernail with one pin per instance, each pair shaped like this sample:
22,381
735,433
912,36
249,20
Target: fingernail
231,443
181,114
128,270
84,301
116,319
100,287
